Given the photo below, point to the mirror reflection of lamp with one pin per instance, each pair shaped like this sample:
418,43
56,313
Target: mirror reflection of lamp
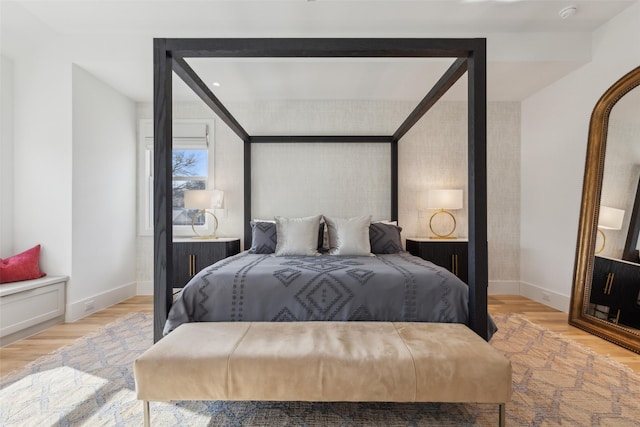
444,201
609,219
203,200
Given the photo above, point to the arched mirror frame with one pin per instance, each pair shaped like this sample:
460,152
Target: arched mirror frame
587,227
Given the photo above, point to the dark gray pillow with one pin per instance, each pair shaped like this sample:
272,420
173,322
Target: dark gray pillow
264,237
385,238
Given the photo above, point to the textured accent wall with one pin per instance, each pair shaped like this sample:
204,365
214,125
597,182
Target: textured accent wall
503,190
432,155
620,179
334,179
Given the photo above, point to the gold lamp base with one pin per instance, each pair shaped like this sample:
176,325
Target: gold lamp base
604,242
437,235
200,236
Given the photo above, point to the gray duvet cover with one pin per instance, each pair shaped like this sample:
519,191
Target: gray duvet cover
255,287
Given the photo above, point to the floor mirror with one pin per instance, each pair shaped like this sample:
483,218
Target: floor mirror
605,298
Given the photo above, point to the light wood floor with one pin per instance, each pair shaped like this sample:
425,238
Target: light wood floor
18,354
556,321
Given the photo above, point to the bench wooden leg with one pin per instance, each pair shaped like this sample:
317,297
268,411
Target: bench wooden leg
147,421
502,417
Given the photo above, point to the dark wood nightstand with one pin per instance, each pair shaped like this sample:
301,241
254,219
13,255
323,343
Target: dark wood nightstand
192,255
616,285
450,254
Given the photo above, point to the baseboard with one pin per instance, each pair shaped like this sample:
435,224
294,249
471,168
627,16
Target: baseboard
32,330
545,296
504,287
144,288
79,309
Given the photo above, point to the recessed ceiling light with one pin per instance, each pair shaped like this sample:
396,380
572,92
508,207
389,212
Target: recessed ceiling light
216,84
568,11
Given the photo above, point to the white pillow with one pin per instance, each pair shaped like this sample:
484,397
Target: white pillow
349,236
297,236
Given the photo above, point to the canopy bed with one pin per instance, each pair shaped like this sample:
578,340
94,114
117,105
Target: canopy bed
406,332
469,56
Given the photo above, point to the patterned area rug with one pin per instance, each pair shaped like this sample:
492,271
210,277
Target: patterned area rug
90,383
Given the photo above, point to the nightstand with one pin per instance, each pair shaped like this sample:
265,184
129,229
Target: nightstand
616,286
192,255
448,253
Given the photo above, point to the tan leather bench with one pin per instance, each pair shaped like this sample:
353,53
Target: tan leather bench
323,361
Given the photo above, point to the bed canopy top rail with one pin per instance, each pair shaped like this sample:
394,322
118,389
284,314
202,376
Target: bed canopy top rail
189,76
448,79
170,54
322,47
321,138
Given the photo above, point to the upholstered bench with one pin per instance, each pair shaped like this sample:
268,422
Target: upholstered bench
323,361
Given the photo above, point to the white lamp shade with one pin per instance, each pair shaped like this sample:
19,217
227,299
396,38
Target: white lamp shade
444,199
610,218
198,199
203,199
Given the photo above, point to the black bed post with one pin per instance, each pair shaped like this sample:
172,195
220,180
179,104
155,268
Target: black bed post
162,146
477,143
247,194
394,180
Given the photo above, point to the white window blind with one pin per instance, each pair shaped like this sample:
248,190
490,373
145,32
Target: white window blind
186,136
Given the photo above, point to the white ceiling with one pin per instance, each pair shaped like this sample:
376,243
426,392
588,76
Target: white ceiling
529,46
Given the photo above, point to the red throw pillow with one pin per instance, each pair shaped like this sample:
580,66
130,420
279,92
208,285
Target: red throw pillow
23,266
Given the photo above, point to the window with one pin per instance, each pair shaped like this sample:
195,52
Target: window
192,160
189,170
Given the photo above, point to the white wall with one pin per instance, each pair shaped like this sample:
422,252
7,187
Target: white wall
104,203
68,128
42,157
6,157
554,139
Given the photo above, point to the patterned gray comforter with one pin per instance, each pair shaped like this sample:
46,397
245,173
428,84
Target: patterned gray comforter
255,287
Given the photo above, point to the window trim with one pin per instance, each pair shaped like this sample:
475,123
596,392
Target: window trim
144,194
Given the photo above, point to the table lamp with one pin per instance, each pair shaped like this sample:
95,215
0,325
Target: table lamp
444,201
609,219
203,200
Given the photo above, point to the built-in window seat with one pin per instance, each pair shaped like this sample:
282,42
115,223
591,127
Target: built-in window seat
31,306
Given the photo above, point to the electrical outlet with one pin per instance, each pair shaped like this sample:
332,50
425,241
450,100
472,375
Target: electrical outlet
89,305
546,296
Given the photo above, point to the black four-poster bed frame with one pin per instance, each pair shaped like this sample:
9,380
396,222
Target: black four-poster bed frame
169,56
